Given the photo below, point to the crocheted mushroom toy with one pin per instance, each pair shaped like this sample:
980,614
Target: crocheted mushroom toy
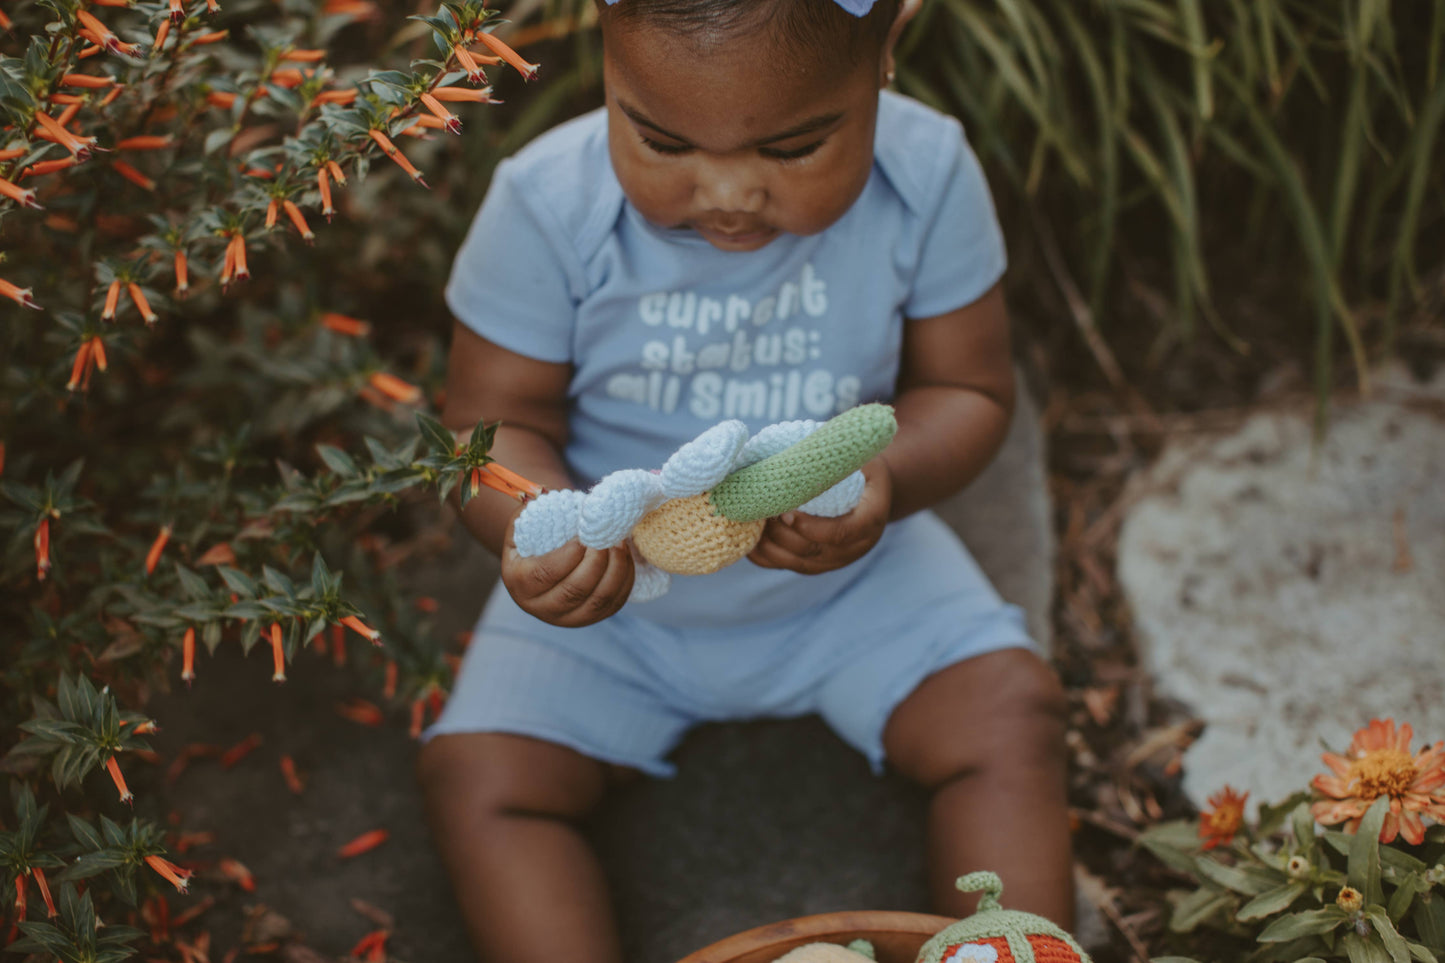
991,935
707,505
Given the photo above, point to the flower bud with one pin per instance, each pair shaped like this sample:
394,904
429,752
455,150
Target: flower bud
1350,900
1299,868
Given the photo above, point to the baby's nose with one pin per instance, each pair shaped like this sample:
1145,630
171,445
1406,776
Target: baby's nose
731,186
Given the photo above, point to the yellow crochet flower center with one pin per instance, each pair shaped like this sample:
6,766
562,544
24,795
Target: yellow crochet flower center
686,537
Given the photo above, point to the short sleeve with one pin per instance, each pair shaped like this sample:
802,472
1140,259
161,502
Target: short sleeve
515,280
963,253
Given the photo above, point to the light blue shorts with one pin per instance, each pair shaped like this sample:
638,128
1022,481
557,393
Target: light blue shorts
627,689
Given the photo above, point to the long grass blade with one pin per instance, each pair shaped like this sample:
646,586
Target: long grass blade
1191,16
1347,176
1419,154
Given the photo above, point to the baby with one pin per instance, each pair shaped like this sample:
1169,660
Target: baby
749,229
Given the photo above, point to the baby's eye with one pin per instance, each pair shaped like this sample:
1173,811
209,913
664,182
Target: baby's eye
662,148
777,153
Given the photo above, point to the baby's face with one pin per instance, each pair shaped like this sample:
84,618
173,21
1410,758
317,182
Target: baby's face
732,142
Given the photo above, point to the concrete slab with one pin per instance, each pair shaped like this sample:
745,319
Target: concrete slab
1289,592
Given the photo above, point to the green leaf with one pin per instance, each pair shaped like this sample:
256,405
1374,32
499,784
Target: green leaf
1307,923
438,439
1248,880
1393,942
1364,949
338,461
1422,954
192,584
84,832
1267,904
1429,919
238,582
1364,861
1198,907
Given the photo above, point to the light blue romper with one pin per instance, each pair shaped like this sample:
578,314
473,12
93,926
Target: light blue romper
666,336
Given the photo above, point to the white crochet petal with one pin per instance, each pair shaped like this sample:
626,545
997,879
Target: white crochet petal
775,438
547,523
841,499
648,581
615,504
703,462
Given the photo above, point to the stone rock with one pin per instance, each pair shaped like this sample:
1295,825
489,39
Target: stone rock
1287,591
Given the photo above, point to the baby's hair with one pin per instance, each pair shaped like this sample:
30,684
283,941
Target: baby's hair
816,27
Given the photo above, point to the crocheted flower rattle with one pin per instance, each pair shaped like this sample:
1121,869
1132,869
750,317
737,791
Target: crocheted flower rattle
707,505
991,935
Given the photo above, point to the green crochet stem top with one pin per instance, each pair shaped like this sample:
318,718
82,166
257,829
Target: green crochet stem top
796,475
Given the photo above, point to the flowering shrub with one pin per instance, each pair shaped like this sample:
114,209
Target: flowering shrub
167,347
1293,889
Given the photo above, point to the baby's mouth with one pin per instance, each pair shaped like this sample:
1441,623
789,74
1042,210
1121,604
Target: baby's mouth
732,237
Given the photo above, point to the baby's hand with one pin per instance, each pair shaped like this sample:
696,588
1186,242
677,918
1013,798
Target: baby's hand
811,545
570,586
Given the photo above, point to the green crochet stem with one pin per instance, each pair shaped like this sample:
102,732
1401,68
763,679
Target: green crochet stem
795,475
988,883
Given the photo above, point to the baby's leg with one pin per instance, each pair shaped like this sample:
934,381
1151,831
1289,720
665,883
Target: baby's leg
505,813
986,736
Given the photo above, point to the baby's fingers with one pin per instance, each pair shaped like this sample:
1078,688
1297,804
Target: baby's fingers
594,590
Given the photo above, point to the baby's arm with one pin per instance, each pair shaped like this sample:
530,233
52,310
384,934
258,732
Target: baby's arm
571,586
955,397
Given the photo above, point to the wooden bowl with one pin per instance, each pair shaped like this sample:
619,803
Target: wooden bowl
895,936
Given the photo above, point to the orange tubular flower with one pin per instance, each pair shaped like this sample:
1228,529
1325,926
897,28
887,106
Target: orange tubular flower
153,557
66,99
238,244
112,301
342,97
298,219
323,184
178,12
146,142
91,81
113,768
389,149
183,281
141,304
388,686
97,352
133,175
44,885
214,37
1218,826
452,122
418,718
66,116
237,871
278,654
20,905
525,486
221,98
212,6
337,174
273,208
394,388
188,655
102,33
81,367
287,77
475,95
528,71
40,168
218,554
42,549
469,64
20,195
304,56
1378,763
21,296
289,773
172,873
362,629
341,324
10,153
115,91
55,130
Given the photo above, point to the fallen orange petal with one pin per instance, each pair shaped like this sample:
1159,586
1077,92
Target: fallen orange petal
364,843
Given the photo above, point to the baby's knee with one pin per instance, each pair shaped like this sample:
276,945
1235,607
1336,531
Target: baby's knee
476,774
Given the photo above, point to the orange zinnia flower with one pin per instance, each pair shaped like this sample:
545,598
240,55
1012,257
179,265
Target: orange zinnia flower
528,71
1378,763
395,388
44,885
113,768
42,549
188,655
278,654
1218,826
153,557
173,874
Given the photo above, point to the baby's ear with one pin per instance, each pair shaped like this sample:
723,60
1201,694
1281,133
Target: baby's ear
907,10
